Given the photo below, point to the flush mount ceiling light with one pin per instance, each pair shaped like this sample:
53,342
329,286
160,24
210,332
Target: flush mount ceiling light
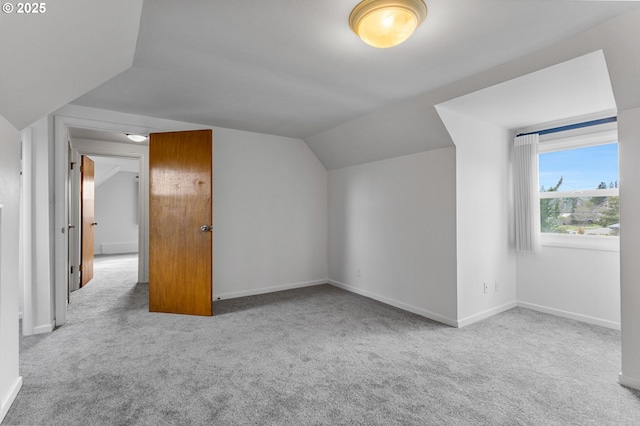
387,23
137,138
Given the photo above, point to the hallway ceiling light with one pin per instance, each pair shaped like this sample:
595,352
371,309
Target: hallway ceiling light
387,23
137,138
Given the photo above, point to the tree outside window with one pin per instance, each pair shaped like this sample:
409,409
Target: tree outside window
570,205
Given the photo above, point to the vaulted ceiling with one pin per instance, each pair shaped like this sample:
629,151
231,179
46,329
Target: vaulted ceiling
294,68
50,58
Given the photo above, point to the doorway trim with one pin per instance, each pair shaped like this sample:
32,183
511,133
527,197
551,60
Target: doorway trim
62,196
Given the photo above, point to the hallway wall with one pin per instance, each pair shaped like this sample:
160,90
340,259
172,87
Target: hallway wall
116,212
10,381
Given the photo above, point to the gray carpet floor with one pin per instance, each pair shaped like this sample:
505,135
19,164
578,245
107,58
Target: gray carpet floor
312,356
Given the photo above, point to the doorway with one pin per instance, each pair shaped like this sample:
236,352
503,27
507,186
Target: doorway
109,226
118,159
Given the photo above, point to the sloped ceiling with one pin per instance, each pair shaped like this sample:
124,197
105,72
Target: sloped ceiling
287,67
294,68
413,125
50,58
107,167
575,88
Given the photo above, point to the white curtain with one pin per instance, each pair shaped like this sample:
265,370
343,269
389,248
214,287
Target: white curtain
526,196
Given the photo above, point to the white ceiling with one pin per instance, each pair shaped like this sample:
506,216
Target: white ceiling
101,135
125,164
105,166
581,86
49,59
294,68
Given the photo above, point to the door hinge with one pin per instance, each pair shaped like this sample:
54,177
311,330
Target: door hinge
80,268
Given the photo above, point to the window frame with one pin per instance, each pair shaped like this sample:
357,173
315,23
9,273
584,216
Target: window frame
586,242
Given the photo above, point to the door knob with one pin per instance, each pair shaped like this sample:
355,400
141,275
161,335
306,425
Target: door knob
206,228
94,224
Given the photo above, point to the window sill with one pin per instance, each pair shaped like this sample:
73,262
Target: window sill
583,242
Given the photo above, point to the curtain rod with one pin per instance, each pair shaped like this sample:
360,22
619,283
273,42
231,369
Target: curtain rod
572,126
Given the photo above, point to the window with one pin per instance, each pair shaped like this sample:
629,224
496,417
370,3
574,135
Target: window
579,187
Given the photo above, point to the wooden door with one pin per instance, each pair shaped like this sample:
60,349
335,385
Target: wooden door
87,201
180,217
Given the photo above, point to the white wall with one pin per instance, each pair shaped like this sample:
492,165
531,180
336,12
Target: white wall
629,154
484,211
574,283
269,204
42,312
10,381
392,232
270,214
116,212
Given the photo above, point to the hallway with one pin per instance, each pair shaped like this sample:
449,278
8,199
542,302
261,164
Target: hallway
113,287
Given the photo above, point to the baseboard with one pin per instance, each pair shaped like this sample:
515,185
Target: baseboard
629,382
47,328
264,290
6,403
570,315
118,248
404,306
486,314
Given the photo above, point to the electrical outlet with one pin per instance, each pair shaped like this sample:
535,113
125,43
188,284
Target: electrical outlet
495,283
486,287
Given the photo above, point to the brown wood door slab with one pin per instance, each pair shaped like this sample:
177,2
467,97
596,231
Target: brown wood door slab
180,204
87,208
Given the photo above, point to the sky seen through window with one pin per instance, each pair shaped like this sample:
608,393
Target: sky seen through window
581,168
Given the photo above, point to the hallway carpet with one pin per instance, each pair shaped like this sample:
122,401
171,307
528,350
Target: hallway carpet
312,356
